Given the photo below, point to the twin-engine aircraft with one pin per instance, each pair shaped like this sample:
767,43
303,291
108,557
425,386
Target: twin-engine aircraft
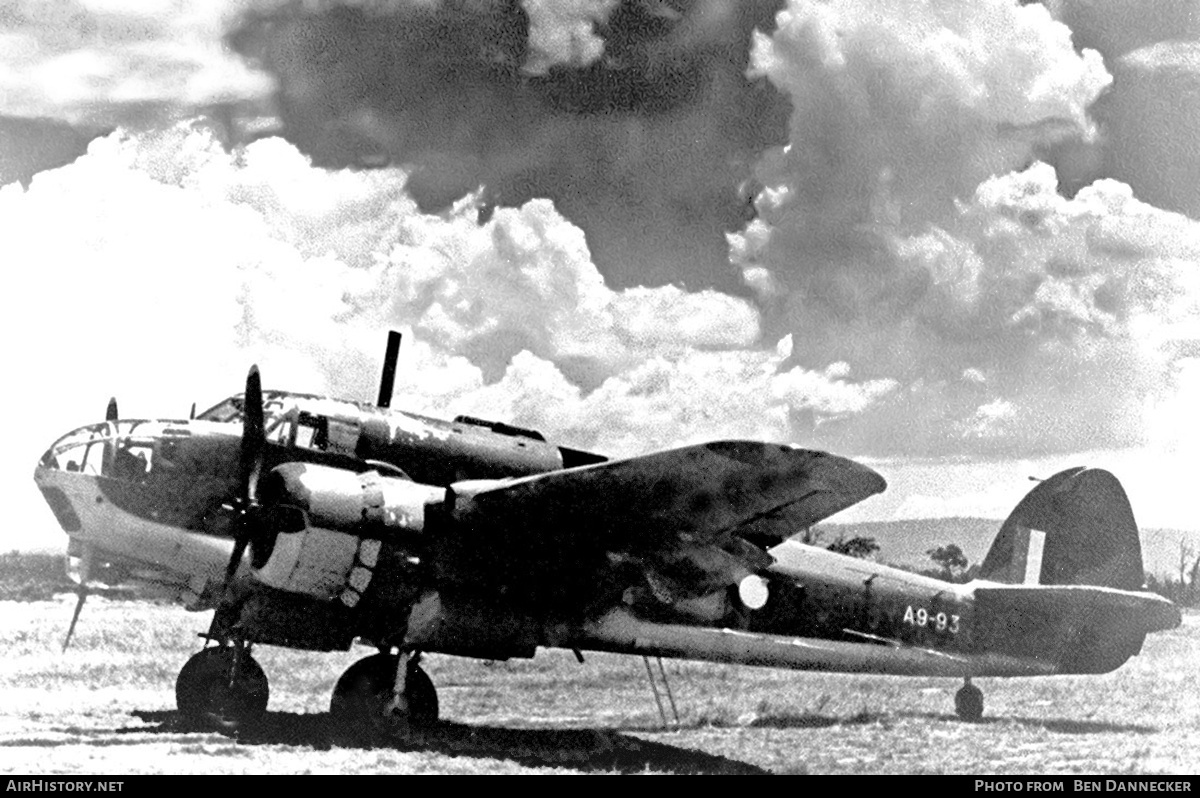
312,523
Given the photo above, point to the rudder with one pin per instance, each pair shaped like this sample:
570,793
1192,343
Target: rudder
1081,524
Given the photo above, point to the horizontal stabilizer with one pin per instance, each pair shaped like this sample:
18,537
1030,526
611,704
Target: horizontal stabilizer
1083,629
1142,611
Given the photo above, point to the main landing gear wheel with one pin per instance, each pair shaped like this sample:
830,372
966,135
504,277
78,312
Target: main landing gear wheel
968,703
363,700
207,695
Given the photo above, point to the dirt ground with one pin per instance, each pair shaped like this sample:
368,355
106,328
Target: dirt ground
106,706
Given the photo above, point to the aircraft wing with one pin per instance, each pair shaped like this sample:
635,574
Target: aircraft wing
682,507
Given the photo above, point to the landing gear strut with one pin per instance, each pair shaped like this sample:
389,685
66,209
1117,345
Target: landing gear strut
222,687
968,702
384,693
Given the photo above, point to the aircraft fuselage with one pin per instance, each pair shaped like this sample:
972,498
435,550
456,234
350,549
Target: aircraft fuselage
159,494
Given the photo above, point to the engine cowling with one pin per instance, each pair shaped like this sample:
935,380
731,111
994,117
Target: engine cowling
323,528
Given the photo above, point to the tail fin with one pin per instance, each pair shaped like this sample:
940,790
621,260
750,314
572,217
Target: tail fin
1075,528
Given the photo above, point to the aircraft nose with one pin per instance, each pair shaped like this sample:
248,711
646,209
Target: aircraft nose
45,463
80,450
45,475
47,466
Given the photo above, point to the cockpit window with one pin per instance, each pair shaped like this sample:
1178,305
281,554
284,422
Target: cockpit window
133,459
312,431
229,410
81,451
342,436
126,450
275,405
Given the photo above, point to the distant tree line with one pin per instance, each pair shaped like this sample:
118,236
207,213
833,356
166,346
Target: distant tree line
858,546
950,564
1184,588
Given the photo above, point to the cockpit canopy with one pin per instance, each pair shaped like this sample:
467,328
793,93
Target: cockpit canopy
275,404
132,450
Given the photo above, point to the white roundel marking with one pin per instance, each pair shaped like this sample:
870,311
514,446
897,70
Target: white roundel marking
753,592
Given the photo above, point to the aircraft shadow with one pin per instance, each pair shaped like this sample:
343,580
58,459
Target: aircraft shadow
769,721
1059,725
599,750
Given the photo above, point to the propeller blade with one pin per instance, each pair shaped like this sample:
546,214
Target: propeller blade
254,442
254,437
192,414
242,537
83,594
111,413
87,556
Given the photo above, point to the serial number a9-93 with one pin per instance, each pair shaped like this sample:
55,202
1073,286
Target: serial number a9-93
919,616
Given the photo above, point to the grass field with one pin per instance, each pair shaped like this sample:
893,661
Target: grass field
107,706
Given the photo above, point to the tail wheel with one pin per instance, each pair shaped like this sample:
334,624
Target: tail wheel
362,697
206,693
968,703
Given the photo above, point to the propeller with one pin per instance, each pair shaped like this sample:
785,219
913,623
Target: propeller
111,414
85,568
254,443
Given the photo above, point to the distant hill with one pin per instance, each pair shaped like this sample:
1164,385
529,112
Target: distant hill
905,542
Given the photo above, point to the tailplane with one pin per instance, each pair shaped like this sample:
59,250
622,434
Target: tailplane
1075,528
1073,563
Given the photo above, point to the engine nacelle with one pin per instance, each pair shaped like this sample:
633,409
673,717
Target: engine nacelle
323,528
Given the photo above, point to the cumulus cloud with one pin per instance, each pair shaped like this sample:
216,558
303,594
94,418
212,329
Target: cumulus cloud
1151,118
901,240
899,110
563,33
1116,27
1030,323
664,401
911,283
159,266
105,63
643,147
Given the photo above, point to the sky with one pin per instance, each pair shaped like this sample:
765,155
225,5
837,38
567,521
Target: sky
958,240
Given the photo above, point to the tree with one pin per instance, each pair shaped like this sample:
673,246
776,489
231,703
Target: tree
861,547
810,535
950,560
1194,584
858,546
